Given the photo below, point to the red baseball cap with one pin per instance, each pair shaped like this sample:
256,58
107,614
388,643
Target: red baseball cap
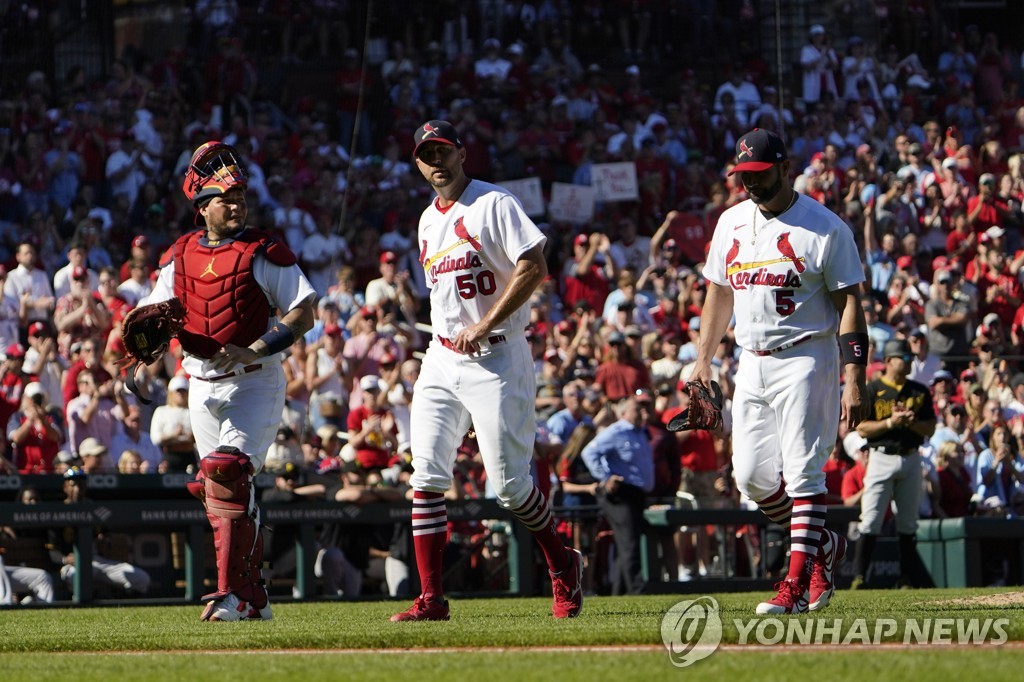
37,329
581,240
141,241
332,330
15,350
904,262
368,311
79,273
388,257
758,151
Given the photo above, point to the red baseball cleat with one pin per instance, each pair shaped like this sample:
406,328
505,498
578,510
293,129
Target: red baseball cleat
567,588
833,549
424,609
792,598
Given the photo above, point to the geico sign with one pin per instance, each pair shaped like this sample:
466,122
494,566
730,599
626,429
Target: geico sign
103,481
10,482
175,480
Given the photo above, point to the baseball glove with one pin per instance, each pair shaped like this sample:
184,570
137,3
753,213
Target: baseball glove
147,330
705,410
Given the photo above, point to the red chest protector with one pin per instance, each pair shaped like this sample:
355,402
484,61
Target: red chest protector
223,302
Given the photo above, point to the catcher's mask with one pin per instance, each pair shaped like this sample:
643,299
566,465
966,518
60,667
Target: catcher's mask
215,168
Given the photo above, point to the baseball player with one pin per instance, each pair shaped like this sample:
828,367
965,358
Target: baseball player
231,279
900,419
482,258
788,269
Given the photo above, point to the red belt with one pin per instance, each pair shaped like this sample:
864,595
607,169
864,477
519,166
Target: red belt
245,370
447,343
773,351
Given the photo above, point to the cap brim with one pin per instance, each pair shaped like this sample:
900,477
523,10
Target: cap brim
751,167
433,139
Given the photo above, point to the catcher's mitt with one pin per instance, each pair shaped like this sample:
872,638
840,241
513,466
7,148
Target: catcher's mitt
147,330
705,410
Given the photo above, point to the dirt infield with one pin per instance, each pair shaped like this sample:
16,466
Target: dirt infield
1003,600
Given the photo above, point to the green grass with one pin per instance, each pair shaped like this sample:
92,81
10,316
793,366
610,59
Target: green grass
49,643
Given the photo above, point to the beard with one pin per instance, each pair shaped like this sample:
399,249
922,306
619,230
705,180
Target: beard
764,196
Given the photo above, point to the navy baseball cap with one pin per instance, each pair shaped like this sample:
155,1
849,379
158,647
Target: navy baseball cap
896,348
436,131
758,151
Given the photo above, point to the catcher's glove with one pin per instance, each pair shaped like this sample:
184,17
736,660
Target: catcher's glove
705,410
147,330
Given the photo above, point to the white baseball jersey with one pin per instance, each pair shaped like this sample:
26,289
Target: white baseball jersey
469,252
782,270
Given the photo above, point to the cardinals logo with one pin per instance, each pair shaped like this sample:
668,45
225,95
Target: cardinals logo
462,233
745,149
423,253
734,251
428,130
786,249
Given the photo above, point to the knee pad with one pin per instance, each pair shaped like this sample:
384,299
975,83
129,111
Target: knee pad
227,482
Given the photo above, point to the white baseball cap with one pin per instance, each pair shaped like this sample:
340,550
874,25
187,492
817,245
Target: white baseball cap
371,382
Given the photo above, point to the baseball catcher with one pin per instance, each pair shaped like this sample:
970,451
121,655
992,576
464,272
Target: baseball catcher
705,410
146,334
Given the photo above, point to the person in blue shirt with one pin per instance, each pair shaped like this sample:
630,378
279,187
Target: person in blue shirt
621,460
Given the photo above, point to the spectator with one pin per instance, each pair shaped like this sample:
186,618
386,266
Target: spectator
924,364
30,285
10,313
1001,474
620,459
328,375
132,437
323,254
372,432
819,63
586,276
44,362
77,259
36,432
80,314
955,484
392,287
131,462
620,375
171,429
948,320
95,457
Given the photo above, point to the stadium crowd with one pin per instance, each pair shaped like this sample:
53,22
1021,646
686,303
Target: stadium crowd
917,147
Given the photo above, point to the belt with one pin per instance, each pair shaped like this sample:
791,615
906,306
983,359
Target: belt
248,369
895,451
447,343
785,346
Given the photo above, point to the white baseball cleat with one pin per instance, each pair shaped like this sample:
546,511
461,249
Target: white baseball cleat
792,598
228,609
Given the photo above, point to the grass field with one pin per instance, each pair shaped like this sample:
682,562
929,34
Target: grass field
502,639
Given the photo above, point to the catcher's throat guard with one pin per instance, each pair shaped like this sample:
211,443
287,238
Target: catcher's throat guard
214,169
705,410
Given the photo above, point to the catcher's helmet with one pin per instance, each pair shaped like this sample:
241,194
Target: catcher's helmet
215,168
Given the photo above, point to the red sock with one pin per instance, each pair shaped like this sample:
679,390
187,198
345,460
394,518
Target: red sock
778,506
805,535
429,536
536,515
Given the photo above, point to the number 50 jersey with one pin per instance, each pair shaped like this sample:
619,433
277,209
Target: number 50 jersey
469,251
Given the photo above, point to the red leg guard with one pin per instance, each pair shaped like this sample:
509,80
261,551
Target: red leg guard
226,480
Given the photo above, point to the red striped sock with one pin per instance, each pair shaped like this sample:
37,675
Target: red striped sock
778,507
429,536
536,515
805,535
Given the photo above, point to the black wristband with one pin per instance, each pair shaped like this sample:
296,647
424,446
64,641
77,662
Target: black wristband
854,348
278,339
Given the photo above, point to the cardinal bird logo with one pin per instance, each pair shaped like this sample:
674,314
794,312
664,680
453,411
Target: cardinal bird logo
745,149
734,251
786,249
462,233
428,130
423,253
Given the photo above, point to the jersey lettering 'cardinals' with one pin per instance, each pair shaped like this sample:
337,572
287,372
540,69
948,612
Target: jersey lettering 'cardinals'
462,233
734,251
786,249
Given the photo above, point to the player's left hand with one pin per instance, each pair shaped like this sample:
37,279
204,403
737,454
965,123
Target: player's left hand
468,340
852,403
231,355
